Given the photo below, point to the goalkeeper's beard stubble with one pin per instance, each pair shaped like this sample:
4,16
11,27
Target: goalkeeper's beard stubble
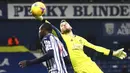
66,31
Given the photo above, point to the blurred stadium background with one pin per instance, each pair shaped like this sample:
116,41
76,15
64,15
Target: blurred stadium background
102,22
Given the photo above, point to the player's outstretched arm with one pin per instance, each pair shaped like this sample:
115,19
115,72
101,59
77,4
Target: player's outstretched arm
46,21
95,47
45,57
118,53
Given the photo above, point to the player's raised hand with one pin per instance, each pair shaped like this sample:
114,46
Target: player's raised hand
22,64
120,53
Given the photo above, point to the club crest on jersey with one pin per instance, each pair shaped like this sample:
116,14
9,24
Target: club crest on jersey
77,46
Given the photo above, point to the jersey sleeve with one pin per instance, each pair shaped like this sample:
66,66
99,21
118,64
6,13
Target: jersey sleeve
56,32
95,47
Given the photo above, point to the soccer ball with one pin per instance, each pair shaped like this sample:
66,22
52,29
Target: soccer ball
38,9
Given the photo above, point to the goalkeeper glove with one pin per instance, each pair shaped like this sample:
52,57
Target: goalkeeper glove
39,18
120,53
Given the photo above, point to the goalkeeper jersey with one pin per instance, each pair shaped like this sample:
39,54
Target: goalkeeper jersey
75,48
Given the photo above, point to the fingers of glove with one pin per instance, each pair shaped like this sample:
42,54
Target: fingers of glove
121,52
117,52
121,49
122,57
124,54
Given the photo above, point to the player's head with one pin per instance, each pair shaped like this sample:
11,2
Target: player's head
44,29
65,27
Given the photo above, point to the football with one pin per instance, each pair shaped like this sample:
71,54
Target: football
38,9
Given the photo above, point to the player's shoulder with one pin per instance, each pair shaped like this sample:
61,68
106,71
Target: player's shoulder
48,36
51,37
78,36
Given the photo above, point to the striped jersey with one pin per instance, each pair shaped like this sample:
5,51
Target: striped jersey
56,64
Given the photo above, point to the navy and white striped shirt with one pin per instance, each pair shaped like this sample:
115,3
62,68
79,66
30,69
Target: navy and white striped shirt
56,64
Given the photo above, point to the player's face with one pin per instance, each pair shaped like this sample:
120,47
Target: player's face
41,32
65,27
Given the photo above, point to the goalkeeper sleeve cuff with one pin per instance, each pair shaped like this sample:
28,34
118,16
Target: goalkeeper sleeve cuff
111,53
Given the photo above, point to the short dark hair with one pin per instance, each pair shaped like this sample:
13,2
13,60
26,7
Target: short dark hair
47,26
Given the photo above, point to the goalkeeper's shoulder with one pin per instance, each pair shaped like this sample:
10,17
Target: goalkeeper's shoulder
81,38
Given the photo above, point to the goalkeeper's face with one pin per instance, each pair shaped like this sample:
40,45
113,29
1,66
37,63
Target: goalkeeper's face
65,27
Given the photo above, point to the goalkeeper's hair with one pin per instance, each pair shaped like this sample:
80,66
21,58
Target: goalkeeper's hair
63,21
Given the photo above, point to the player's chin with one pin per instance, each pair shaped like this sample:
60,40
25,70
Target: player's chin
65,31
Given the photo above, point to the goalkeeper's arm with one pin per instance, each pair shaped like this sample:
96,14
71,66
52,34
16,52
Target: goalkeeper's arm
117,53
54,28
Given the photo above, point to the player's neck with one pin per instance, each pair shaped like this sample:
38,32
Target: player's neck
70,34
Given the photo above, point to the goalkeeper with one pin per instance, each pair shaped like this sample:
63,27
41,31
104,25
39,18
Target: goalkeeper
80,61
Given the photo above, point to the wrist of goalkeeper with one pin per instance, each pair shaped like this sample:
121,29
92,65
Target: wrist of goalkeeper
111,53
